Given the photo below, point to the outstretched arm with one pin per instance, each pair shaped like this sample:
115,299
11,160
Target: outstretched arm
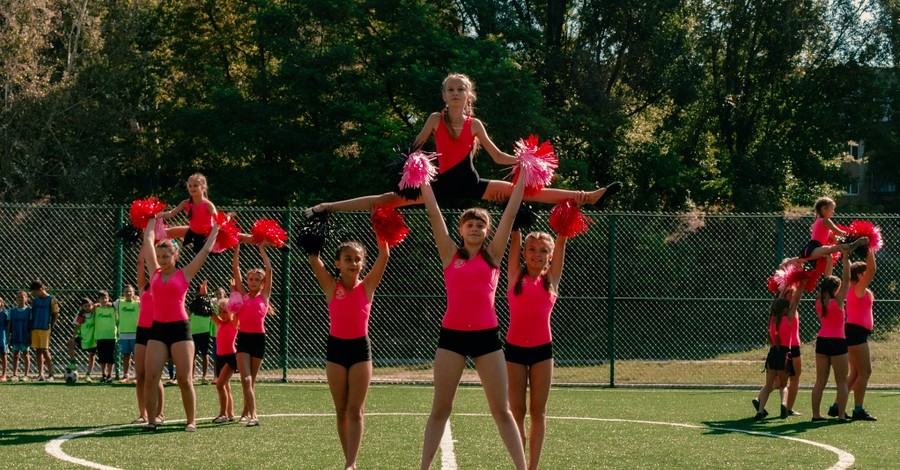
236,279
373,278
496,154
866,277
149,246
501,236
194,266
834,228
845,278
514,263
141,275
173,211
266,288
559,258
446,247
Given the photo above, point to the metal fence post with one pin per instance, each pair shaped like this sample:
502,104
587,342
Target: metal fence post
285,296
611,301
120,215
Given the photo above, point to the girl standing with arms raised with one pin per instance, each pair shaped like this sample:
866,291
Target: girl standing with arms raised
251,337
860,322
141,338
532,291
457,135
348,354
469,327
170,334
226,357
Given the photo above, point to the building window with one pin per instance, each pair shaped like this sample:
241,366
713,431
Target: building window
887,187
855,151
853,189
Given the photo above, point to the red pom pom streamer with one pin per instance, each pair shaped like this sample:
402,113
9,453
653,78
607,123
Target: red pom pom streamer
772,284
864,228
418,169
792,275
235,302
389,225
229,233
566,219
270,231
143,209
537,162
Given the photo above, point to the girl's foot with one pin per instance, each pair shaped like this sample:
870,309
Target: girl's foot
317,213
252,422
243,420
858,243
190,428
220,419
149,428
610,190
160,419
141,420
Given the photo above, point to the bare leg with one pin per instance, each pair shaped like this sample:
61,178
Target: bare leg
541,376
448,368
794,384
860,371
823,369
491,369
518,392
183,356
840,364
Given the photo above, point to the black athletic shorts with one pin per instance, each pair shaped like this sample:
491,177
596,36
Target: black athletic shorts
347,352
831,346
807,250
201,344
528,356
142,335
253,344
856,334
226,359
795,351
778,357
106,351
171,332
470,343
460,183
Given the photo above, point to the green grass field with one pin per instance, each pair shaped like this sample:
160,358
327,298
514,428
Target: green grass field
588,428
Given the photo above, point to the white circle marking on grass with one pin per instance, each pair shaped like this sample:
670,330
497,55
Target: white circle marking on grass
54,447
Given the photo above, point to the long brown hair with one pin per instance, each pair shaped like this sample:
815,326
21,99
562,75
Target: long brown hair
828,285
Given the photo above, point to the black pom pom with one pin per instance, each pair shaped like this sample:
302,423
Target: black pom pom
201,305
312,236
524,218
130,234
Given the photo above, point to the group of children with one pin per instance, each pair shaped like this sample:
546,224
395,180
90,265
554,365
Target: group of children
25,327
844,308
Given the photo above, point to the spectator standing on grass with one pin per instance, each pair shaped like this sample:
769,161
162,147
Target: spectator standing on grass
4,330
44,313
20,335
200,333
128,309
83,337
105,332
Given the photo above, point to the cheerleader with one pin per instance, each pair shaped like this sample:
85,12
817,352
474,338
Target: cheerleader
141,337
782,318
457,136
831,342
860,322
821,244
226,357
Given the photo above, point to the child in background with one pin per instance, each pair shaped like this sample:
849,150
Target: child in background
4,330
83,336
200,334
105,334
44,312
226,359
221,295
127,311
20,335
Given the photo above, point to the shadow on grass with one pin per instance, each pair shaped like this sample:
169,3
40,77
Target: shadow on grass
781,427
14,437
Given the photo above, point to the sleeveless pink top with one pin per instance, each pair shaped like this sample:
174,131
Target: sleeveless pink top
201,219
859,309
795,331
785,332
529,314
820,232
453,151
168,297
348,312
252,315
833,323
471,286
145,313
226,334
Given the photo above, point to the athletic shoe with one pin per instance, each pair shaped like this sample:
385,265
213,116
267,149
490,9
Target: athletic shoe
124,380
190,428
755,403
15,378
243,420
758,416
793,413
88,379
204,381
51,379
819,418
784,412
3,378
41,378
833,410
861,415
25,378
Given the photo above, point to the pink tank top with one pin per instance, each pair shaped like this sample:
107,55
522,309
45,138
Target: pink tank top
859,309
225,337
820,232
348,312
471,286
785,332
529,314
453,151
833,323
168,297
200,220
252,315
145,313
795,331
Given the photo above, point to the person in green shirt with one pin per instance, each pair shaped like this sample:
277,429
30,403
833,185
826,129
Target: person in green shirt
83,337
200,331
127,311
105,332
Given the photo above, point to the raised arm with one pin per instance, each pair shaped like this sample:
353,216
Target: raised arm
325,279
866,277
194,266
446,247
559,259
501,236
796,295
841,294
373,278
149,246
236,279
266,288
514,263
496,154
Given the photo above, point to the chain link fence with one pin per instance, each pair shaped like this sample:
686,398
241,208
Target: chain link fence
645,298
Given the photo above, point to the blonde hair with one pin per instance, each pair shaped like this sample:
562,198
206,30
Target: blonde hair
468,109
537,236
476,213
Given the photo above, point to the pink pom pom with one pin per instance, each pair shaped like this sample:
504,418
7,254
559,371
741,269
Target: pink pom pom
536,162
143,209
864,228
566,219
389,225
229,233
235,302
418,169
159,231
270,231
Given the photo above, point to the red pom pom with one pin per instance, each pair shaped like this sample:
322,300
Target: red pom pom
773,284
229,232
143,209
864,228
268,230
536,162
566,219
418,169
389,225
